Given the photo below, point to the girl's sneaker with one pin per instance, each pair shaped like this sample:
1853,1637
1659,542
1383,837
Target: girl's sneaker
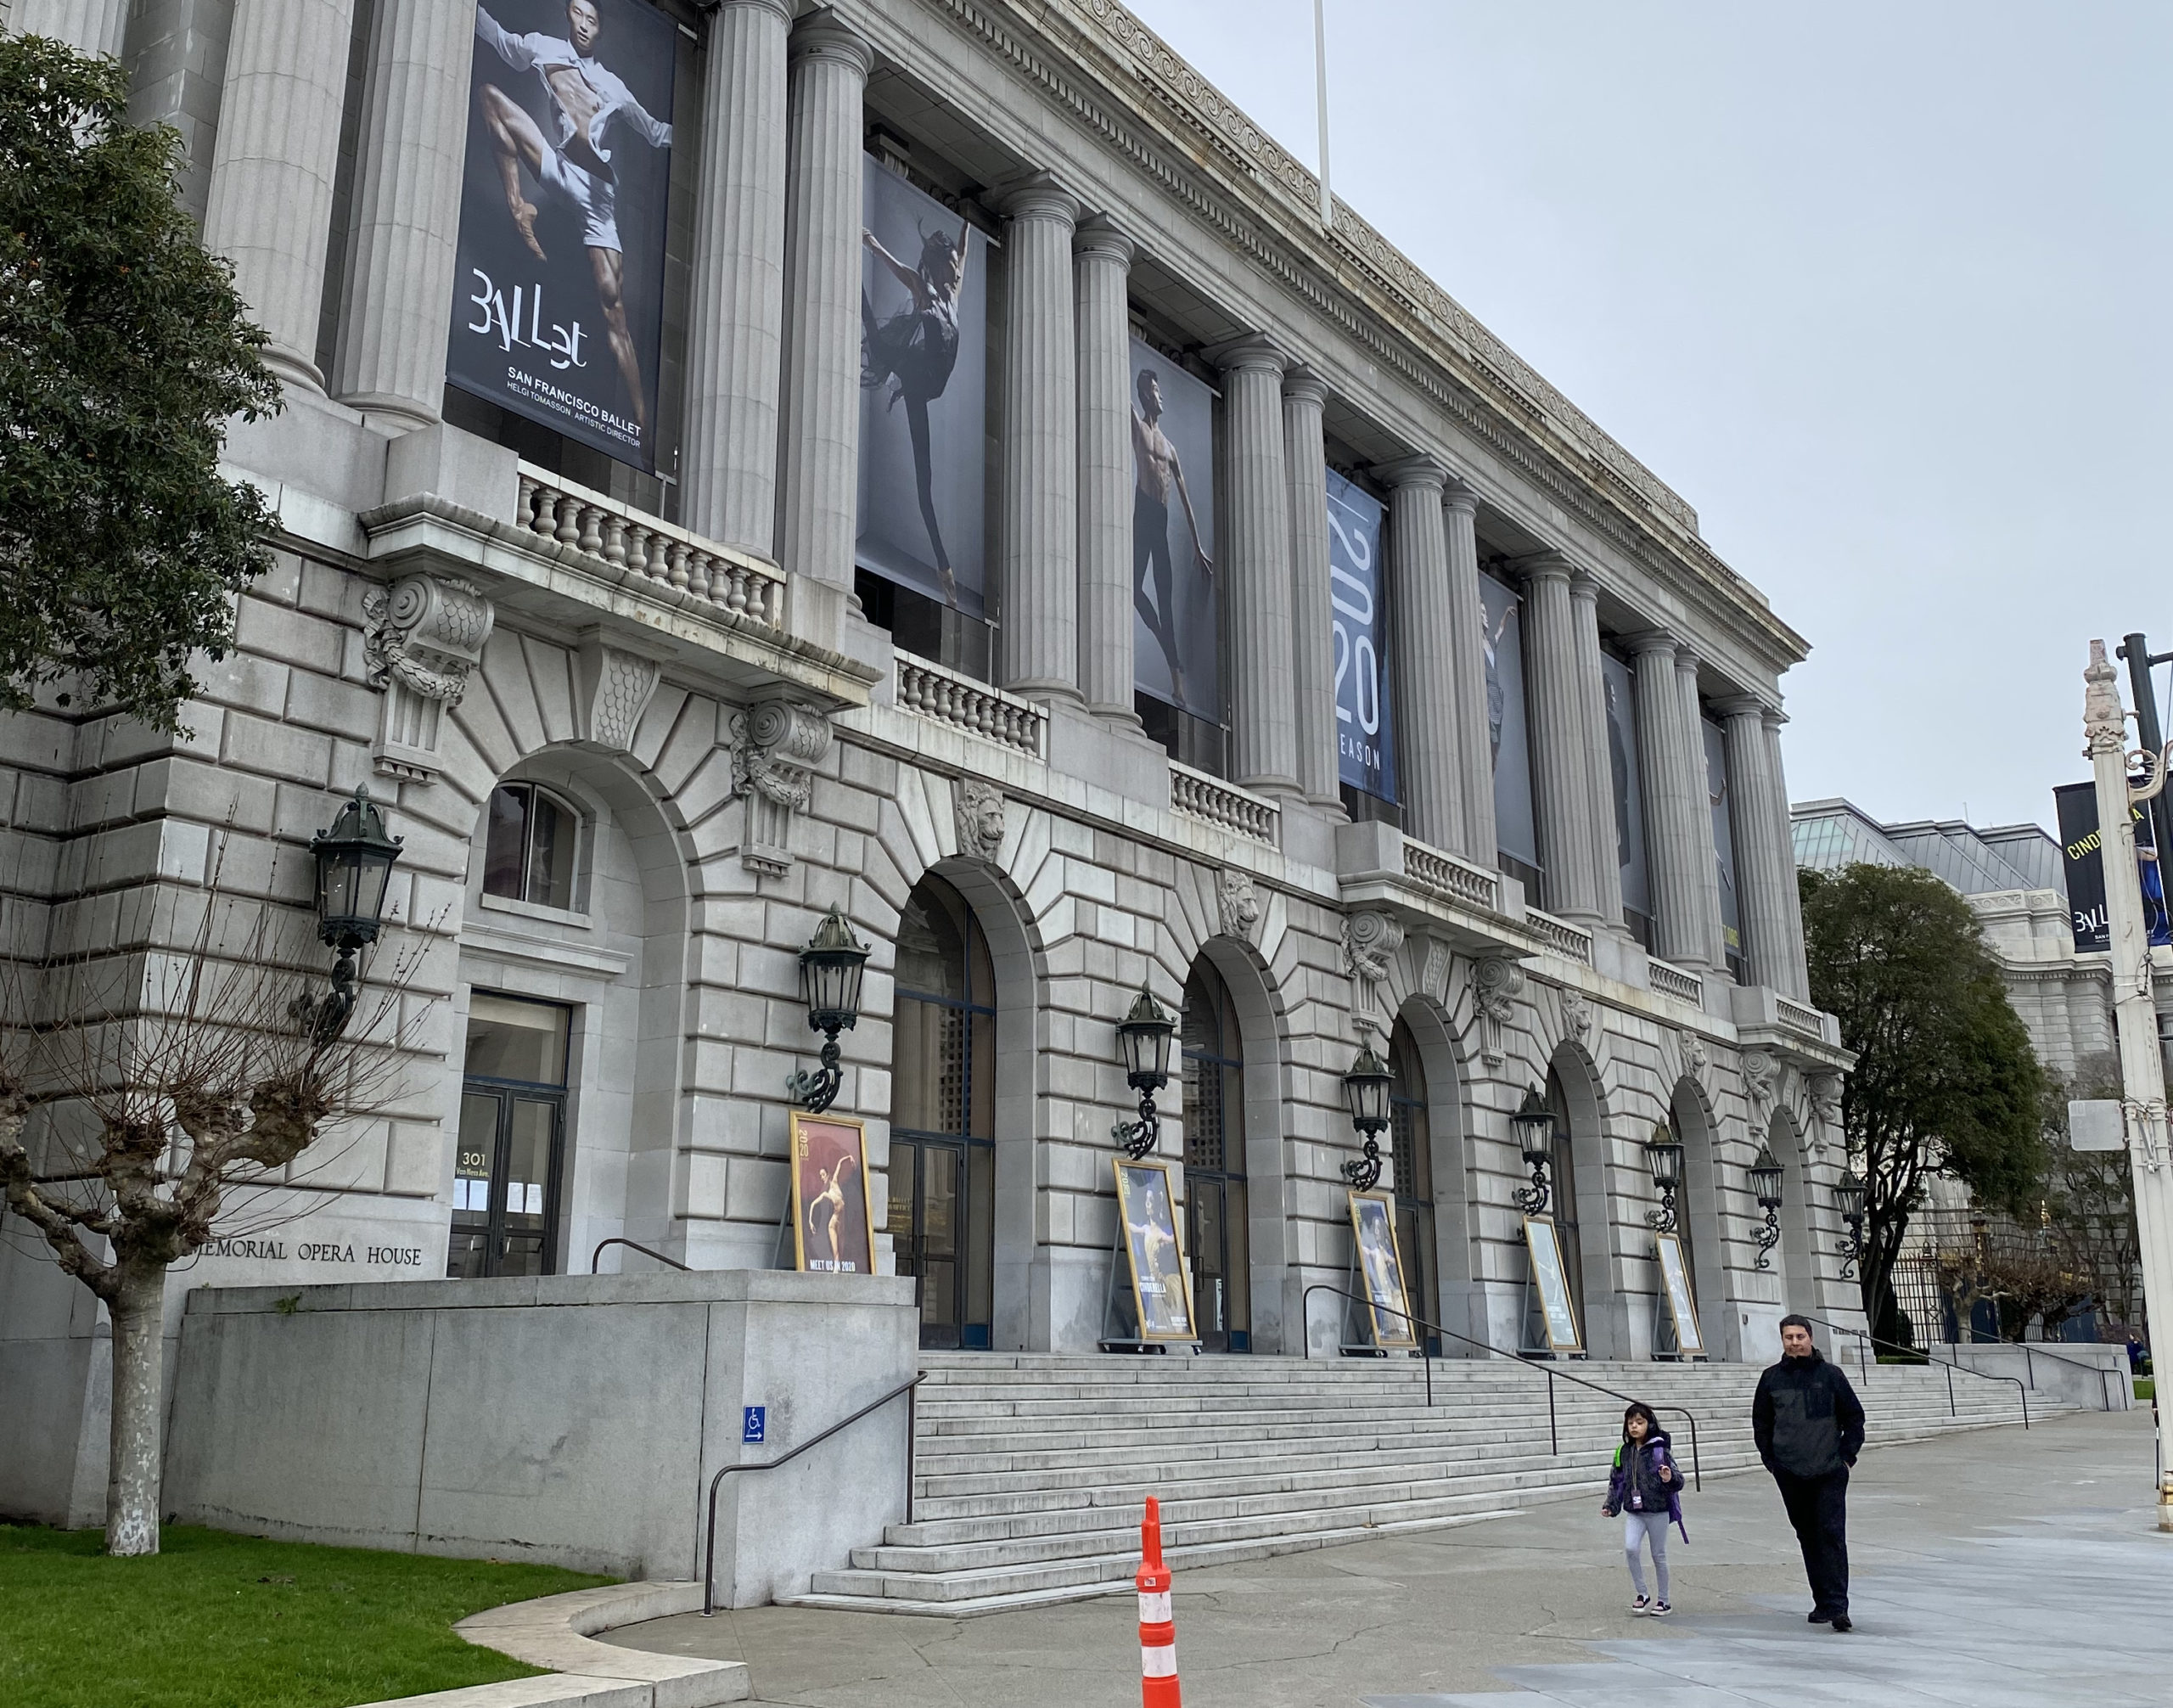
1661,1609
1644,1604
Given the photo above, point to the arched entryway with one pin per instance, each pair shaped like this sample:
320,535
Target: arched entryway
1217,1213
942,1174
1427,1172
1580,1206
1698,1225
1795,1257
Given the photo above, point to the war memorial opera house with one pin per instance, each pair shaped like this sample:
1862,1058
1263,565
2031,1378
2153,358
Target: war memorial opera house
930,458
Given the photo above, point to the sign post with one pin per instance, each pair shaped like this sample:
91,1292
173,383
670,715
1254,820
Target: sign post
2135,1015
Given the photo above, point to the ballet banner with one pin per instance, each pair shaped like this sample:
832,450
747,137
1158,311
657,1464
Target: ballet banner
1178,634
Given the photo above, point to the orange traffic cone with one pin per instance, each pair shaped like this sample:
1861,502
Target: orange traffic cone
1158,1629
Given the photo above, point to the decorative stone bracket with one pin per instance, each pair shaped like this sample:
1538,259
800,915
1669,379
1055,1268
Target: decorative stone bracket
612,689
977,811
425,633
1761,1089
1237,904
1496,982
1370,941
775,748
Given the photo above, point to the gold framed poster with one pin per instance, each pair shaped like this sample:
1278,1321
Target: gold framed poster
1161,1287
1380,1266
1675,1282
1552,1278
833,1222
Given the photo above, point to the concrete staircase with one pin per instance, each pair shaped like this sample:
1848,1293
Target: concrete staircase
1033,1470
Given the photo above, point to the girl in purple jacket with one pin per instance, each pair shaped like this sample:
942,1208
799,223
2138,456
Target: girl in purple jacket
1647,1490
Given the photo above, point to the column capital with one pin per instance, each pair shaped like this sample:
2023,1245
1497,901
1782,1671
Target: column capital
1646,641
1037,195
1426,472
783,8
821,35
1459,494
1097,235
1686,660
1252,352
1304,384
1584,584
1744,705
1544,566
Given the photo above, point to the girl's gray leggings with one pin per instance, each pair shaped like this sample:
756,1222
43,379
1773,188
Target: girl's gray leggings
1651,1527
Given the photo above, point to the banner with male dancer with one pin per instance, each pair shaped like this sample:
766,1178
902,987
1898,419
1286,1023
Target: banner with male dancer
557,305
1177,636
924,398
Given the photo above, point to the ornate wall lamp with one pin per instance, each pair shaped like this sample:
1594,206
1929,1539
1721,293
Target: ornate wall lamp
1664,1156
354,865
1366,1094
1849,1192
1765,1188
1534,1122
830,968
1144,1037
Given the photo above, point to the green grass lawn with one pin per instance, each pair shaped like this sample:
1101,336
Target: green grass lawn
2146,1387
232,1621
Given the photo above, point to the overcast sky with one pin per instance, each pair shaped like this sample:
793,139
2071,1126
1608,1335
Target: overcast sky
1881,290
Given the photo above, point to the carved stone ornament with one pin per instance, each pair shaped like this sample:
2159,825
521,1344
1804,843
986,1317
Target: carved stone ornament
1370,941
1496,982
775,748
1761,1088
1825,1093
613,689
1694,1055
1577,1016
425,634
1239,904
1435,980
978,807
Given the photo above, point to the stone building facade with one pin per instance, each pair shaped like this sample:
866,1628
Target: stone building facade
639,734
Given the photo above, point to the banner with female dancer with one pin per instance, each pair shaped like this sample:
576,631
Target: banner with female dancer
832,1231
1177,640
557,305
924,398
1502,639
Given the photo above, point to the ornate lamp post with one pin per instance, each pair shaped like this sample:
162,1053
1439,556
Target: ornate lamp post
354,865
1534,1124
1366,1094
1143,1036
1765,1188
830,968
1849,1192
1664,1156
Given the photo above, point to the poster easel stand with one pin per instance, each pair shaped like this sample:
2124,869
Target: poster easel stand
1532,1338
1119,1321
1664,1347
1368,1346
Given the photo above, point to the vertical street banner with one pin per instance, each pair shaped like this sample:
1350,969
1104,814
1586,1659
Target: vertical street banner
2082,857
557,305
1620,690
1502,637
1717,793
1175,591
924,394
1365,733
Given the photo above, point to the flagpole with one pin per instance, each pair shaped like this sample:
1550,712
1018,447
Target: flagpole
1320,78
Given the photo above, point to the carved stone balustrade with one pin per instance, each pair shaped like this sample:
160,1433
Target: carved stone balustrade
1199,796
942,695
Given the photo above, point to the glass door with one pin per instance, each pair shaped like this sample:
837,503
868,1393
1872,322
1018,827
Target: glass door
510,1159
1214,1167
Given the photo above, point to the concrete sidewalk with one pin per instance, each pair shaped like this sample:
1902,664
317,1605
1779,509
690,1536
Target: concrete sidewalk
1990,1569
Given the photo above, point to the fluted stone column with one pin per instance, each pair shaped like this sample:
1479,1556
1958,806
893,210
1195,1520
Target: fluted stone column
1426,709
398,297
818,415
1467,673
1599,774
1038,570
1562,799
1799,985
272,173
1766,872
89,27
728,463
1256,571
1312,625
1101,270
1708,848
1675,797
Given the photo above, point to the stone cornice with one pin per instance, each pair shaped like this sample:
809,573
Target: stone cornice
1176,129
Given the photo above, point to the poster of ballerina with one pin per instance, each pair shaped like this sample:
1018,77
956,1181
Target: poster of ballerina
833,1229
1161,1291
924,393
1380,1263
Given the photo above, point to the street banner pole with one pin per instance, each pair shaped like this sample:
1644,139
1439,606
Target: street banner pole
2135,1015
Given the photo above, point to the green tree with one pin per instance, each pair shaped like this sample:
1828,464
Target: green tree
1944,1080
123,351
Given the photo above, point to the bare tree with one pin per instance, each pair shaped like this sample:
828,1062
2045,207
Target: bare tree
166,1090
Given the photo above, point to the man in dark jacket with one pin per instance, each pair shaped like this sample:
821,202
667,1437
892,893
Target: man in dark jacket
1810,1427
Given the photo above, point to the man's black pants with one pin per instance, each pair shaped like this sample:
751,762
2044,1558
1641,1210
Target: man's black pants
1818,1508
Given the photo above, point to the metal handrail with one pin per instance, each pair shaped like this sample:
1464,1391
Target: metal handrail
1950,1364
709,1547
1552,1375
632,1246
2034,1349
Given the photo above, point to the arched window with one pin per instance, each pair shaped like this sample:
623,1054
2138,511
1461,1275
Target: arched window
1563,1207
943,1116
1215,1165
528,853
1414,1153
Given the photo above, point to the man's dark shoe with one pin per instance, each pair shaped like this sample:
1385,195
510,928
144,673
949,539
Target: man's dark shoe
1819,1615
1842,1623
